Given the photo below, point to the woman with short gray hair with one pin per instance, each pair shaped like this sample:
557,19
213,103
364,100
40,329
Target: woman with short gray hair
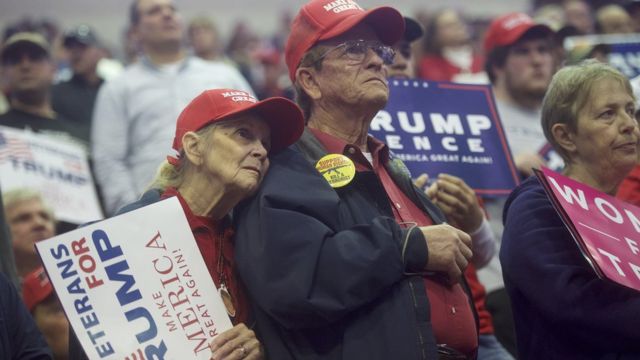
561,308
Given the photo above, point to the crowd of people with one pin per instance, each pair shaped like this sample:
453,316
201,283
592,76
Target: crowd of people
384,265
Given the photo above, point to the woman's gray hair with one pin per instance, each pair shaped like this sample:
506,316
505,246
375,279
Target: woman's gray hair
17,196
568,94
169,175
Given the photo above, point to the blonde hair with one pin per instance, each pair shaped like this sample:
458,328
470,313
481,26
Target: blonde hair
568,94
17,196
169,175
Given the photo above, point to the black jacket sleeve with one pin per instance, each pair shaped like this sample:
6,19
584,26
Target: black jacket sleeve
19,335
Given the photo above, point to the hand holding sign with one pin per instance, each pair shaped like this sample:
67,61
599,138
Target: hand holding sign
449,250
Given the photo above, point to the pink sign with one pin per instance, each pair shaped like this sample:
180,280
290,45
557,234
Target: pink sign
606,229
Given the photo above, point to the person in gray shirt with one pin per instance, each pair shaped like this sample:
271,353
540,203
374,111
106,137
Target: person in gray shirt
135,113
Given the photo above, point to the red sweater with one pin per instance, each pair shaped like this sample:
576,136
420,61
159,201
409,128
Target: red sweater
629,189
437,68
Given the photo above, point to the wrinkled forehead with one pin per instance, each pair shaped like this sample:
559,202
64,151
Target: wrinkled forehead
362,31
605,89
251,119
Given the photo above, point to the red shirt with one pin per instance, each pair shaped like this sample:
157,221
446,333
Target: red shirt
479,296
437,68
451,313
212,236
629,189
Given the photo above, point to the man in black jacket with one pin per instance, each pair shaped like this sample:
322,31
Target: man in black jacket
342,256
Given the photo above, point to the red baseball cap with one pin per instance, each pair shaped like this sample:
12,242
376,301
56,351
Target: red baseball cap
326,19
283,116
507,29
36,288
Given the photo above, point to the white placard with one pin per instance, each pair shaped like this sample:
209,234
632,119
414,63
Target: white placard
136,284
58,169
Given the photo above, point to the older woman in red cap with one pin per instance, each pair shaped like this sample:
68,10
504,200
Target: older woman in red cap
224,139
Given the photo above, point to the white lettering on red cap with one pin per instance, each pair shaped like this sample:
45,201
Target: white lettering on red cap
515,21
339,6
237,96
244,98
234,93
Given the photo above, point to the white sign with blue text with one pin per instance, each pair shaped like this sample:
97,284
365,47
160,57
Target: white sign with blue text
59,170
135,286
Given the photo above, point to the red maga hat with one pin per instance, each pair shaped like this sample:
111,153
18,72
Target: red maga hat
283,116
36,288
509,28
326,19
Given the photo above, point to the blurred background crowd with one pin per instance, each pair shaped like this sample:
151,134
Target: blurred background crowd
254,40
245,52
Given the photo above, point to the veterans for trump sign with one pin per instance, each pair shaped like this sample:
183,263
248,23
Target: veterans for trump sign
135,286
607,230
447,128
58,169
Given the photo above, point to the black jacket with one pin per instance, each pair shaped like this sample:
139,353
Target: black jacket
328,270
20,338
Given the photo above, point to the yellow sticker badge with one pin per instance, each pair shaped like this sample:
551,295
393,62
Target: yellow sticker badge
337,169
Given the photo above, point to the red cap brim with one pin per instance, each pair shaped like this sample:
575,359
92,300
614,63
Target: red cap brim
283,116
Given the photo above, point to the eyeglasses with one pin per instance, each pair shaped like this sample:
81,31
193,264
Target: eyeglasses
356,51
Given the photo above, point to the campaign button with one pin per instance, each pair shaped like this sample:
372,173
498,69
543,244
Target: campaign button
337,169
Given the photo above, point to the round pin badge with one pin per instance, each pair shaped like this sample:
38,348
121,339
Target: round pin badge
337,169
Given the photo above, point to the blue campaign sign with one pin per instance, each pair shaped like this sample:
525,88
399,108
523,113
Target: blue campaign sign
623,50
447,128
626,58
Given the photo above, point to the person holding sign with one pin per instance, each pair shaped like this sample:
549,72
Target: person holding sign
224,138
562,309
342,255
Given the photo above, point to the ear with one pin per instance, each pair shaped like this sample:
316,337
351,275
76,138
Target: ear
192,149
306,78
564,137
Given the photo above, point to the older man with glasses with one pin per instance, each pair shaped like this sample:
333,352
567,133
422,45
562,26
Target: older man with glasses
342,256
